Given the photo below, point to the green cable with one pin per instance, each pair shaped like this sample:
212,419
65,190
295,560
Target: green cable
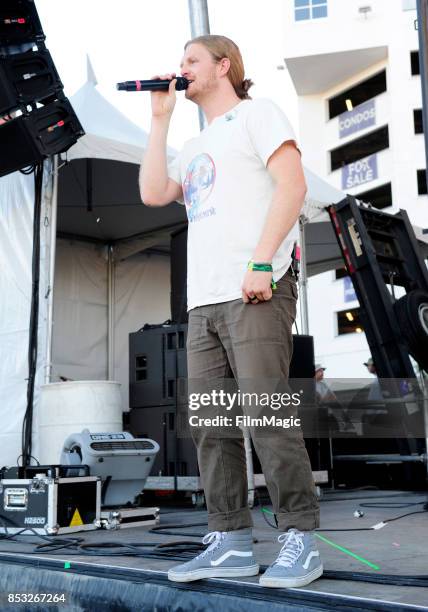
341,548
348,552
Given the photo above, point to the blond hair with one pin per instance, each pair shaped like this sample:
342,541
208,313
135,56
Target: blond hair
220,47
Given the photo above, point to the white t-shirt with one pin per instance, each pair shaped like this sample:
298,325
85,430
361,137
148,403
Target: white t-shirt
227,193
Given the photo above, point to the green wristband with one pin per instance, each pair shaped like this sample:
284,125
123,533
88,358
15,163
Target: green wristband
261,267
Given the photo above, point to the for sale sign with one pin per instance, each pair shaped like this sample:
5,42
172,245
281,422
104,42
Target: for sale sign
359,172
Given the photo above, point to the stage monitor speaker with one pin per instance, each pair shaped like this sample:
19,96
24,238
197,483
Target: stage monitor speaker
27,78
29,139
19,23
302,363
302,372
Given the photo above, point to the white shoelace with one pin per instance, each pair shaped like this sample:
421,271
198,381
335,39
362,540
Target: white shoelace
292,549
214,538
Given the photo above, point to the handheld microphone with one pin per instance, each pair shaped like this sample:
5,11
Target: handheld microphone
153,85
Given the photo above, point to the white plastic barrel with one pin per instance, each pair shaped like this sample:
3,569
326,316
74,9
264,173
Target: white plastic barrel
69,407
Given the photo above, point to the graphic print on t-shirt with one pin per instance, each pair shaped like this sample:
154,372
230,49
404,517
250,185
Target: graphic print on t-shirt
198,185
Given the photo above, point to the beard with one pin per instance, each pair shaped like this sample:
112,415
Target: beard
201,88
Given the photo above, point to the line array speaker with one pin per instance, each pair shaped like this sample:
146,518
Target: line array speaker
26,78
19,22
29,139
36,119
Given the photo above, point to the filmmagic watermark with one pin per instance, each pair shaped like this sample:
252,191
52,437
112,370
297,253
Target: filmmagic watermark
242,420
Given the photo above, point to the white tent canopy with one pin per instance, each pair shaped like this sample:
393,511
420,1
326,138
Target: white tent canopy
108,133
320,194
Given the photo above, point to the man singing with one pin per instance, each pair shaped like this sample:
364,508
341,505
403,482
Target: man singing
243,186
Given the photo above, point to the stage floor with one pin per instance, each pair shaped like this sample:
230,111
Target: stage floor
130,583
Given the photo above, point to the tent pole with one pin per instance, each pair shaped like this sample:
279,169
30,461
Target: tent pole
110,308
199,25
52,254
303,278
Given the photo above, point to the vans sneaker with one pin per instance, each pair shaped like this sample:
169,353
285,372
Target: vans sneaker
229,554
298,562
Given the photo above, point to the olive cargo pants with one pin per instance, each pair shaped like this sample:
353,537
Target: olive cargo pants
250,342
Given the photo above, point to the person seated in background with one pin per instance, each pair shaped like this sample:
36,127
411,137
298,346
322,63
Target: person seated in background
323,392
375,392
337,417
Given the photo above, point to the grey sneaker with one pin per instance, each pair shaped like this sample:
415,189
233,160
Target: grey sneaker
228,554
298,562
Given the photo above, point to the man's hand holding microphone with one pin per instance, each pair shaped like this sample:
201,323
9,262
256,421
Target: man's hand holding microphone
163,102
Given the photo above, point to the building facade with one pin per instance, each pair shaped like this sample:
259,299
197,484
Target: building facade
355,68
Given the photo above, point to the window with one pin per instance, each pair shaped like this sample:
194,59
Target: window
309,9
348,322
359,148
417,121
380,197
358,94
422,182
414,62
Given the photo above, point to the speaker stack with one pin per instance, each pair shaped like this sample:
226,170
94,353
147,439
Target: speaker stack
36,119
158,396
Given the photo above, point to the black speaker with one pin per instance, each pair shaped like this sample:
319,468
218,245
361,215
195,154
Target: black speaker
158,366
302,364
177,455
19,22
178,276
26,78
29,139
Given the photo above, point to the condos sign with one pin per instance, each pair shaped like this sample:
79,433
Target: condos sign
361,117
359,172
